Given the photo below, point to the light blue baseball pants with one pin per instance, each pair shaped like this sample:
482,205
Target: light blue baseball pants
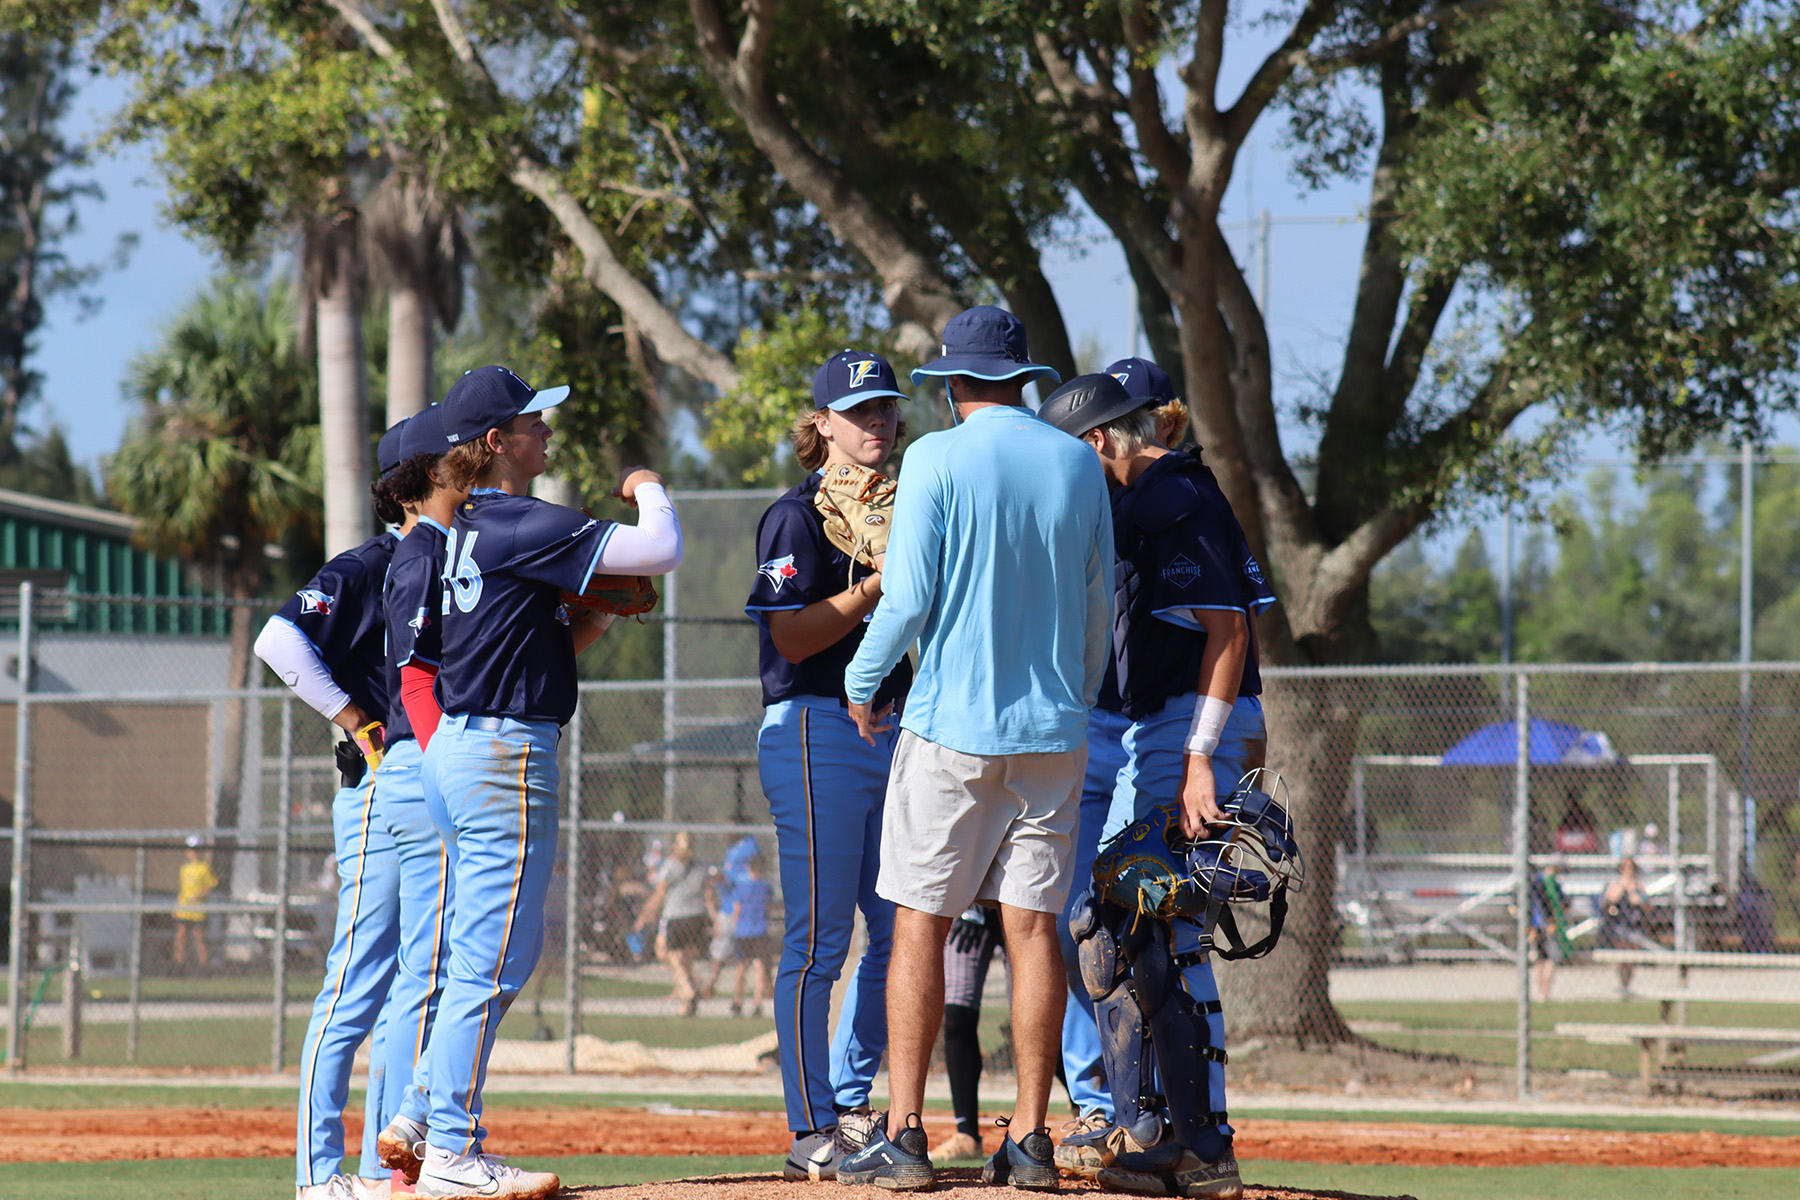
826,789
1083,1067
426,892
358,972
496,779
1154,749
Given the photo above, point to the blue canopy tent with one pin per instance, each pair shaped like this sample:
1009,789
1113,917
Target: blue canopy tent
1551,744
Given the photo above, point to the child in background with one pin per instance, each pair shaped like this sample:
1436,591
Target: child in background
197,883
750,930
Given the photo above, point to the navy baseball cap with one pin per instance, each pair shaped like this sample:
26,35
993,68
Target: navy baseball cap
1088,402
425,434
987,343
852,376
1143,379
487,398
388,454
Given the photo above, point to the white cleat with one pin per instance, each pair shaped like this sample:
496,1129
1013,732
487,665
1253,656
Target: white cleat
448,1176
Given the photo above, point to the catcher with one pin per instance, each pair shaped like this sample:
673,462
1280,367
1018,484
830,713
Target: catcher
819,550
1186,587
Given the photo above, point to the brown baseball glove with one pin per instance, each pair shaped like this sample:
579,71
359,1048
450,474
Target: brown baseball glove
857,505
621,595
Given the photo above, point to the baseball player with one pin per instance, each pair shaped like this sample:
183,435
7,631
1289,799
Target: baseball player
506,686
411,607
824,783
1184,645
326,643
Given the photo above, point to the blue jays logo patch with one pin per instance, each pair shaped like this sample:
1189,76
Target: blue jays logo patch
1182,572
312,600
779,570
859,371
1253,570
419,622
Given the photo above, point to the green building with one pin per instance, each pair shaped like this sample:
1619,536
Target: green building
72,548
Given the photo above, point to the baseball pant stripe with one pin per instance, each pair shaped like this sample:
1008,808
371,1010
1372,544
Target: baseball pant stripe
337,985
437,956
812,905
512,912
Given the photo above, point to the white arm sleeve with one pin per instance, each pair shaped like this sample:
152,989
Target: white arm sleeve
294,658
653,545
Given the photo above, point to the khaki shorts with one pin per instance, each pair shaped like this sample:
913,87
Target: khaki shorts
959,828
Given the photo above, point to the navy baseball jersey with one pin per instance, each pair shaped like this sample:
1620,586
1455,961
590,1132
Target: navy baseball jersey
413,603
1179,547
339,611
507,647
798,566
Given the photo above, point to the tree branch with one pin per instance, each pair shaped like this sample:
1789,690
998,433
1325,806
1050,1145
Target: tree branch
1162,149
1277,68
589,41
674,344
1285,510
1201,74
913,287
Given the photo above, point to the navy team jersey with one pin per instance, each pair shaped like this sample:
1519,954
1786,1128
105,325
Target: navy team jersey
798,566
1179,546
507,647
339,611
412,601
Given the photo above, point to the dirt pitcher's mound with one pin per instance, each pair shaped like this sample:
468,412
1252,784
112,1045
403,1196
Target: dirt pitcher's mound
93,1135
964,1183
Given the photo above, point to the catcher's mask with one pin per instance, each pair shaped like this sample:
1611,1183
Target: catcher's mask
1251,857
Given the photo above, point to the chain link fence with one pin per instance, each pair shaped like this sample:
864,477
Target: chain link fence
1469,900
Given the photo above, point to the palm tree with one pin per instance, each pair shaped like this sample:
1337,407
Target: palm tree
419,256
332,271
222,460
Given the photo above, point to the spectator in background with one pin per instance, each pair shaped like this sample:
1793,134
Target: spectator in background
679,905
1575,833
752,944
1549,927
196,884
1622,908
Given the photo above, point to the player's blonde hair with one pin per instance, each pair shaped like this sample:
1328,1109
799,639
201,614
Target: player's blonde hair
1171,423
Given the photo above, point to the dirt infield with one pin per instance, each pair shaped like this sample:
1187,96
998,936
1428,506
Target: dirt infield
77,1135
966,1183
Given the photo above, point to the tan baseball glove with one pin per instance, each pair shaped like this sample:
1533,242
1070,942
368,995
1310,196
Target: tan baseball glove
857,505
620,595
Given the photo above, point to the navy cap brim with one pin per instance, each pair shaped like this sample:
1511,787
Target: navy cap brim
980,367
546,399
843,403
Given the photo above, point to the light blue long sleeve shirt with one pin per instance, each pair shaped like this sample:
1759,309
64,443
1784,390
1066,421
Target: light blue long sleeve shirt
1000,564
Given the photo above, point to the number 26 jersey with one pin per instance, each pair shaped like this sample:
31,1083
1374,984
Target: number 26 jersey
508,650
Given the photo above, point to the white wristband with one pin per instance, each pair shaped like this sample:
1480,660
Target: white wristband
1210,716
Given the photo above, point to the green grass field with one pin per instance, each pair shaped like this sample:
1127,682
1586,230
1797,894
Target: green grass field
235,1179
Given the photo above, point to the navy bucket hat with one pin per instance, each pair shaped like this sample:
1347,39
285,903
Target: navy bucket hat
986,343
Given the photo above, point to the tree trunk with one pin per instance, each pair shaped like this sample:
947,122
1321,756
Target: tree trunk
412,342
343,384
1312,734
